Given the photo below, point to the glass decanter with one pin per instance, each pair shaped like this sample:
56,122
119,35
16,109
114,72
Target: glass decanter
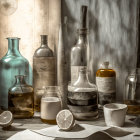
21,98
83,97
132,92
13,63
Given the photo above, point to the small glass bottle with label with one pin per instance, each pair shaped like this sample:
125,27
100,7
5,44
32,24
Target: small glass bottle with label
106,83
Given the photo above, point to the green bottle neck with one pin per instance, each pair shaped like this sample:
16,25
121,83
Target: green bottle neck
13,46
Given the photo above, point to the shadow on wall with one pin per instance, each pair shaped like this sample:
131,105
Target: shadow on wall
113,35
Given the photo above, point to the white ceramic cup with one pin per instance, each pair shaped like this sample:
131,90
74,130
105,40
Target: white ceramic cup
114,114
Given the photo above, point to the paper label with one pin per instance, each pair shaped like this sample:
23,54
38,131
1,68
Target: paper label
43,72
43,75
106,84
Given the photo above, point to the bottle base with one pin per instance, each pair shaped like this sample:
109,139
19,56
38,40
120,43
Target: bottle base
49,121
89,116
22,115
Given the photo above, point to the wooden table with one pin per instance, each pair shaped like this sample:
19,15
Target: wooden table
35,124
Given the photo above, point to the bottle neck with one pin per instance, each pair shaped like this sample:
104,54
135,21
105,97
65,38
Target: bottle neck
20,80
44,41
83,76
82,38
13,46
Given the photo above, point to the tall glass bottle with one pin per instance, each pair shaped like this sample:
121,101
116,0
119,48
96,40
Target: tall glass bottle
43,70
20,99
79,51
13,63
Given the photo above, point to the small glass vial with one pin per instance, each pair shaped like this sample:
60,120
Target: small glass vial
20,97
132,92
51,104
83,97
106,83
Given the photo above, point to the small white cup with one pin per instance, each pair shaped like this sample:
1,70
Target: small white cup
114,114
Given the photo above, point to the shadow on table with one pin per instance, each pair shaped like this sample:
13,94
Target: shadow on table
12,128
96,136
76,128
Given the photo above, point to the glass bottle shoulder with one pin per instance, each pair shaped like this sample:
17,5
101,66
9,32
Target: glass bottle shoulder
12,60
43,52
21,89
105,73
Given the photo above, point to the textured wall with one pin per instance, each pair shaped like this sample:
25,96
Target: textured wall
113,34
31,19
112,25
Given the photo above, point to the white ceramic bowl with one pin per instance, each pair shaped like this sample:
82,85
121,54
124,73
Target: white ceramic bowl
114,114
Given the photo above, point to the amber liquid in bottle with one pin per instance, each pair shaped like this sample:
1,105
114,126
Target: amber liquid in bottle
105,80
21,104
48,121
133,107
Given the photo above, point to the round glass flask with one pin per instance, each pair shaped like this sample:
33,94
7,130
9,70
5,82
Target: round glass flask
21,98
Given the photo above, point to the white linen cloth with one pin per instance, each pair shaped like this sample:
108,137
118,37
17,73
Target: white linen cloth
79,132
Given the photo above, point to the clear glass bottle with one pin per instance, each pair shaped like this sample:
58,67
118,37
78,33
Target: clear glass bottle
106,83
51,104
20,98
13,63
43,69
79,54
132,92
83,97
79,51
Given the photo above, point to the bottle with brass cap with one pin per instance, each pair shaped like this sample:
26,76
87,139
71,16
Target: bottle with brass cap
106,83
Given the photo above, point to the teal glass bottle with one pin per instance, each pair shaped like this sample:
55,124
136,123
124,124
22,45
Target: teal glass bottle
13,63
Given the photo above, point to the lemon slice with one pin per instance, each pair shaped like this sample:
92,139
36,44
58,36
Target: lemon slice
65,119
6,118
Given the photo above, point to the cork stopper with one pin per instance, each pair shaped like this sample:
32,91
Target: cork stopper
105,65
44,39
83,17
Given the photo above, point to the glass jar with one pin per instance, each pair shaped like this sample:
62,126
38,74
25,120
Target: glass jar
43,70
51,104
83,97
13,63
132,92
20,99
